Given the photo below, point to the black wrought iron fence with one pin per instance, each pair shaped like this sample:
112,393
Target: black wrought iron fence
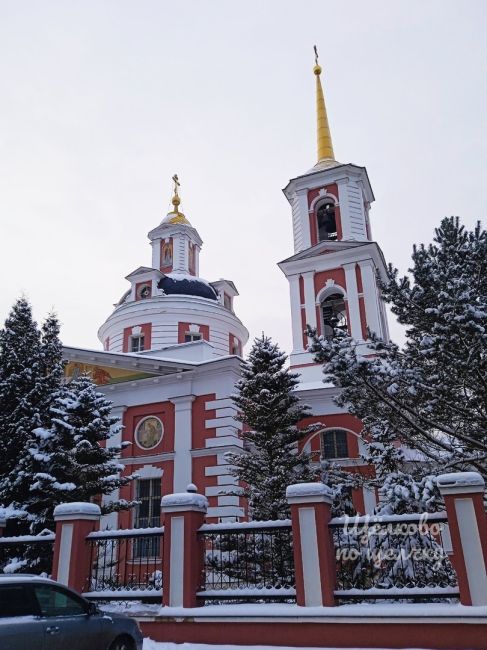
394,557
248,562
27,553
125,564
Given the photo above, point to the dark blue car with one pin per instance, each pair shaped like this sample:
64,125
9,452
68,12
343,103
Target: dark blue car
42,614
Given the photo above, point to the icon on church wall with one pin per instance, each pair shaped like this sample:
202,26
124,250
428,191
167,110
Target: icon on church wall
149,432
166,256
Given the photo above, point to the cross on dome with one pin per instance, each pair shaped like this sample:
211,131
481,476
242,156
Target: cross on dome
175,216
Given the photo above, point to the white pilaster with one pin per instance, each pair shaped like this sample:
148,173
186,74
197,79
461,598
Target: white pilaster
353,303
344,208
177,562
182,442
371,297
309,298
296,313
197,260
302,220
156,253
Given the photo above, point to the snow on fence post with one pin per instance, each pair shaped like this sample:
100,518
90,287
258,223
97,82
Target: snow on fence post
463,494
314,551
183,555
72,562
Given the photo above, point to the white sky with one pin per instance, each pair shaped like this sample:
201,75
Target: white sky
103,101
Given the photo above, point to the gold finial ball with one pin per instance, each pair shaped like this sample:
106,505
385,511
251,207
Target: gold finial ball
176,200
317,69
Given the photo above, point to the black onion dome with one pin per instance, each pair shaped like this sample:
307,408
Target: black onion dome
181,286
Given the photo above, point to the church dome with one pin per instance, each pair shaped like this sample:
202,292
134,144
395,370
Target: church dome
186,285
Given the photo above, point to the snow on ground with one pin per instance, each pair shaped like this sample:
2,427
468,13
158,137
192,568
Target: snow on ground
149,644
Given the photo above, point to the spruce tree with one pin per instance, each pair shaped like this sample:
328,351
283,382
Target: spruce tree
24,396
71,459
431,395
270,411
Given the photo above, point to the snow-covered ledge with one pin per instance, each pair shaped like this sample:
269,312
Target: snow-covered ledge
460,482
77,510
309,493
184,501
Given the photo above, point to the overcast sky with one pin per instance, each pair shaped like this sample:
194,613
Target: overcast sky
103,101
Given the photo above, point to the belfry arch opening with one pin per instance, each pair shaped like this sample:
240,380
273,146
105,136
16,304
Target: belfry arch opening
334,314
326,221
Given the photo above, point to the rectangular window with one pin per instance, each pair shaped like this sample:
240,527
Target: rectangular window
137,343
192,336
147,515
227,301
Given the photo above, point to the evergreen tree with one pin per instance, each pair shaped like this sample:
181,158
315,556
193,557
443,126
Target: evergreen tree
431,395
24,395
71,459
270,411
51,370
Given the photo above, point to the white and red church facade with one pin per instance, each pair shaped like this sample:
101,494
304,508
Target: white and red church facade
173,345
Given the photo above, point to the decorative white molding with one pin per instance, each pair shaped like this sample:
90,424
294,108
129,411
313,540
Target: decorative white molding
150,471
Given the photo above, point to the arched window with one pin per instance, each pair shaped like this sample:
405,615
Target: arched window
334,444
334,314
327,227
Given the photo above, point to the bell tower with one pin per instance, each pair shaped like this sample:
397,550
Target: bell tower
332,274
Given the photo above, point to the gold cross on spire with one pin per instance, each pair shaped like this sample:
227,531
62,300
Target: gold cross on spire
175,199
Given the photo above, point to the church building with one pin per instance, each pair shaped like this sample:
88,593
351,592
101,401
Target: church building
173,345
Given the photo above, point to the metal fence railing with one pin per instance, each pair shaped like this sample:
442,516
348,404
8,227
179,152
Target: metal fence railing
125,564
248,562
394,557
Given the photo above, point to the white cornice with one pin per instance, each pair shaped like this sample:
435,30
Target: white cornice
366,252
127,361
164,230
314,179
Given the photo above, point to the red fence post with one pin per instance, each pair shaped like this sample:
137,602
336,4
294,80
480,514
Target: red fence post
71,563
184,551
314,551
463,494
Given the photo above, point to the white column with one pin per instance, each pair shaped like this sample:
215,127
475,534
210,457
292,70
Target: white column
371,298
197,260
344,208
178,252
156,253
182,442
353,303
302,218
296,324
310,298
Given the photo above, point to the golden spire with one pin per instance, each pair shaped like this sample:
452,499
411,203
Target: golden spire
175,216
325,146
